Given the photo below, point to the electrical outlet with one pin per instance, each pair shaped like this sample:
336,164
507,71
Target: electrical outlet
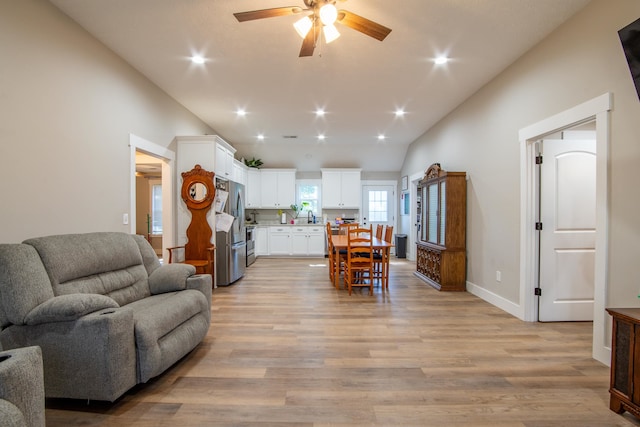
498,276
125,218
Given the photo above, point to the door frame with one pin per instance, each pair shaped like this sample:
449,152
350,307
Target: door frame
595,109
167,158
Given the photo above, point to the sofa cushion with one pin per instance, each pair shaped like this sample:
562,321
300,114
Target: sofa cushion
65,308
170,277
149,257
106,263
24,283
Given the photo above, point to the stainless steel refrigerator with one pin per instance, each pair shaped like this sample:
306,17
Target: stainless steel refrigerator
231,246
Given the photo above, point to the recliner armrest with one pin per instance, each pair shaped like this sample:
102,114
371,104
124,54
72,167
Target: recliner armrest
64,308
170,277
204,284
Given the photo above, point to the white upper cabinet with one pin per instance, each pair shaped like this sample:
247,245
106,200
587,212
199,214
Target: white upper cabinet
341,188
224,159
278,188
254,189
239,172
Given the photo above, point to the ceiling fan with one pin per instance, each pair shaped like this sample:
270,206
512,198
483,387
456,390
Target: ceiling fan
322,17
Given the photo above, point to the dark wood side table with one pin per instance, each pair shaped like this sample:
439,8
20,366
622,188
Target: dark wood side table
624,387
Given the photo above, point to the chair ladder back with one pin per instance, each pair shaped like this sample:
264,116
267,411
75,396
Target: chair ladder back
359,263
388,233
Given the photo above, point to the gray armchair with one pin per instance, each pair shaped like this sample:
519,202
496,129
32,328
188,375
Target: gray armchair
21,388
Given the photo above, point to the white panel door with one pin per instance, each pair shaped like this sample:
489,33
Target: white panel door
567,240
378,205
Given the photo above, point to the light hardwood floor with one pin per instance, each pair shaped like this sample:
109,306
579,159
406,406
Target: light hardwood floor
286,348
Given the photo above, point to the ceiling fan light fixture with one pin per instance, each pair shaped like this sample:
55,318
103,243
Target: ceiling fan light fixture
303,26
330,33
328,14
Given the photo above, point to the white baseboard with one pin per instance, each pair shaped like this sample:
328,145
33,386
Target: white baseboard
496,300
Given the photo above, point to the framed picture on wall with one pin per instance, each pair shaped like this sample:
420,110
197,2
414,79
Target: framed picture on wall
405,182
405,203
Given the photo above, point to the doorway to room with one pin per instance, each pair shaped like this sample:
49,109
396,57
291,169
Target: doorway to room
149,199
595,110
165,207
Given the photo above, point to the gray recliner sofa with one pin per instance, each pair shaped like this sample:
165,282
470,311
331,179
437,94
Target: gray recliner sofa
105,313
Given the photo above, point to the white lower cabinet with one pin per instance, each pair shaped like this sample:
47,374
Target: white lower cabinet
279,241
317,242
307,241
262,241
293,240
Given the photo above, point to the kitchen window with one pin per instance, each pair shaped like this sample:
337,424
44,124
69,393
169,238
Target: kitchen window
308,190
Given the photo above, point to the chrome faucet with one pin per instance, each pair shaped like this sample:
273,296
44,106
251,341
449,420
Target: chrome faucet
309,217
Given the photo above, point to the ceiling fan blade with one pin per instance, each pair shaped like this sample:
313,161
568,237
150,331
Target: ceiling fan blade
364,25
267,13
309,42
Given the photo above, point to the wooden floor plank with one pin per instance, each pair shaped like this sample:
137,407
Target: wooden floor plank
285,348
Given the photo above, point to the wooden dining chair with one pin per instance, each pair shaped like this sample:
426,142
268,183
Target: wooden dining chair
344,228
379,229
358,270
388,237
381,261
377,254
341,255
331,253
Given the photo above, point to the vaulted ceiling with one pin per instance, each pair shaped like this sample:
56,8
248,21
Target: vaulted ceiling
358,81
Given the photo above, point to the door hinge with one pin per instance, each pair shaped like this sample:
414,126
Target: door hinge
538,226
539,159
537,291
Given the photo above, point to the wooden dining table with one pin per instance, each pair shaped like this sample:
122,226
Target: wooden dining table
340,241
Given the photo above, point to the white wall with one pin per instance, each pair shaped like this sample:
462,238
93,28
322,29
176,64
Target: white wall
67,107
580,61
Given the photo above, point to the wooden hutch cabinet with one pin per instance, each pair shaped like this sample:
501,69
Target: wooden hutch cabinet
625,361
442,217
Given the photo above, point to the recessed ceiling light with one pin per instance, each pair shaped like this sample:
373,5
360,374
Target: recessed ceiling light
240,112
321,137
399,112
381,137
319,112
441,60
261,137
197,59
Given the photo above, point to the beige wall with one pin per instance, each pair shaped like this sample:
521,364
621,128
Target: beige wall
580,61
67,107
